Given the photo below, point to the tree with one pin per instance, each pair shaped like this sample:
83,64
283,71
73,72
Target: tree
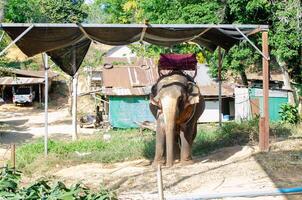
2,3
64,11
20,11
51,11
285,37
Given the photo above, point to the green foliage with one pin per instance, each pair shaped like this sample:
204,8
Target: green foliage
289,113
94,58
154,51
52,11
231,133
210,12
64,11
30,152
23,11
10,189
285,35
130,144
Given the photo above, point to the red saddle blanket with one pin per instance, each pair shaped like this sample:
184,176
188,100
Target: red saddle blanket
177,62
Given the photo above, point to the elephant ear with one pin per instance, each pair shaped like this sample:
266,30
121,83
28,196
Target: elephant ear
193,93
154,99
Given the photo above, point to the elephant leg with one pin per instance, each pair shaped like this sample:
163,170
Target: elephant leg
187,136
160,142
177,144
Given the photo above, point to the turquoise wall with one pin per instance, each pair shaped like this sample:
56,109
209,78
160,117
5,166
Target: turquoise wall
124,111
274,104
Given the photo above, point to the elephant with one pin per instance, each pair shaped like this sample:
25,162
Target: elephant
176,103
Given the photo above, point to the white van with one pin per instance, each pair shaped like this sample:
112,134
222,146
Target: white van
23,94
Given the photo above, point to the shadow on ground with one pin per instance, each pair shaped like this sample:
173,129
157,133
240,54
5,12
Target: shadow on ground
8,137
284,167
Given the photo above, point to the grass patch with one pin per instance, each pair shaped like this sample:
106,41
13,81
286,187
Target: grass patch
130,144
123,145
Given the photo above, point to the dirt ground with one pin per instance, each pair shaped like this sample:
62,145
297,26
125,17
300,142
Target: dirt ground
26,123
232,169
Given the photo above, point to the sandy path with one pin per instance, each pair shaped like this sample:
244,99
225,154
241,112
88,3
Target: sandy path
228,170
27,123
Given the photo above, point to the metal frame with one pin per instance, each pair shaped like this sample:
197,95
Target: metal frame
17,39
200,34
263,136
219,85
191,26
245,194
46,68
251,43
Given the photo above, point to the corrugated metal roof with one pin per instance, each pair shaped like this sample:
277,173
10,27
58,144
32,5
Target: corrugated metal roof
130,80
129,77
212,90
140,91
30,73
131,61
20,81
258,76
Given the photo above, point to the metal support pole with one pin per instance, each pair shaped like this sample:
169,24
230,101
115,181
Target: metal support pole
160,183
46,104
244,194
264,135
74,100
251,43
219,84
16,40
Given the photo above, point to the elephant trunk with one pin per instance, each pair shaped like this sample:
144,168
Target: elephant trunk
170,111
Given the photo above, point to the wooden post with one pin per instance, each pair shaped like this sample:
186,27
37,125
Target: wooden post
13,156
160,183
219,84
264,135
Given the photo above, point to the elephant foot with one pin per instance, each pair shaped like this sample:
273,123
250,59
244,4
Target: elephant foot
155,163
187,162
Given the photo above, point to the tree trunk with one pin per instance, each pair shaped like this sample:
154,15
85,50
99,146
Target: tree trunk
244,78
300,105
286,80
2,3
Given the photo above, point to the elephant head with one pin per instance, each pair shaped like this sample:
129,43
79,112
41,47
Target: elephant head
173,99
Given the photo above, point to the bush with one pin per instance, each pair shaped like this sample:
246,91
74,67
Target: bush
10,189
289,113
231,133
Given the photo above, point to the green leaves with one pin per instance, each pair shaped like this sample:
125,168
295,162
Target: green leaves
63,11
9,189
203,13
289,114
51,11
20,11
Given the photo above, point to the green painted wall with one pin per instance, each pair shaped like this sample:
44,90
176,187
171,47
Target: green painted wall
274,104
124,111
